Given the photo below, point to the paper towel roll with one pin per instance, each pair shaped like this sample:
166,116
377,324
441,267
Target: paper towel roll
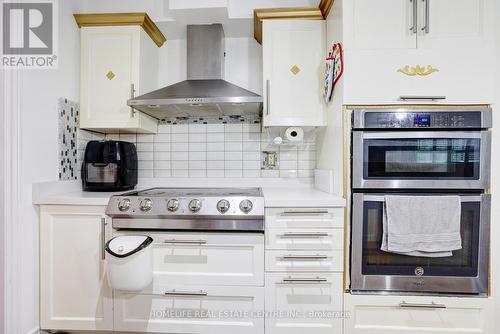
294,134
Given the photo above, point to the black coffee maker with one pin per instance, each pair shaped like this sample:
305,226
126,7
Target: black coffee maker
109,165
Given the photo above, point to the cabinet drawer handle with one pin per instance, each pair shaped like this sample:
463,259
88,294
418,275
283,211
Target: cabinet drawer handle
305,235
304,257
426,306
413,27
422,98
186,293
292,280
187,242
304,212
426,27
103,238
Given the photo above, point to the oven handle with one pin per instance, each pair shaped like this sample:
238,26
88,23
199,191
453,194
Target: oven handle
423,135
463,198
417,305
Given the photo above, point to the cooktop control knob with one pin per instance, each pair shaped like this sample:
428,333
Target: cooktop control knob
146,205
194,205
172,205
246,205
223,205
124,204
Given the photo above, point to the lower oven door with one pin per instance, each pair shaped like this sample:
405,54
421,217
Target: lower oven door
373,270
421,159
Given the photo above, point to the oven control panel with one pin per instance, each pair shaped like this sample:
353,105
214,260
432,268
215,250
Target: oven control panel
408,119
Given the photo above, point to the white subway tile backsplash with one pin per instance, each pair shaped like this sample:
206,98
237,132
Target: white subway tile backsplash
179,156
215,136
233,136
162,155
215,147
162,138
197,137
162,173
236,164
216,156
197,147
233,173
215,164
197,128
144,147
164,128
198,155
180,128
216,150
184,164
215,173
233,146
145,156
233,156
162,164
179,137
179,147
233,128
215,128
161,147
197,164
180,173
197,173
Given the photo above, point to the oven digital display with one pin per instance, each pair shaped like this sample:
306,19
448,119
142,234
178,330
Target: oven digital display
422,120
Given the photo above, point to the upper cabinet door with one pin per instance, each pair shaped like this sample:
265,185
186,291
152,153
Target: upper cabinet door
381,24
110,65
454,23
293,72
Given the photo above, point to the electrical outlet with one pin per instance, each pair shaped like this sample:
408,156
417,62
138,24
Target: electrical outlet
269,160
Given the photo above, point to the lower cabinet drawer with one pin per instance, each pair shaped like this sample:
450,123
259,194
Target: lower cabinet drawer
208,258
418,315
283,260
305,239
192,309
304,303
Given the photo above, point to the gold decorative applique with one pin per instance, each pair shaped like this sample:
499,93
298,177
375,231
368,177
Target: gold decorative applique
418,70
295,69
110,75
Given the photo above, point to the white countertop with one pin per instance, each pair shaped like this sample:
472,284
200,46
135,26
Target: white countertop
289,193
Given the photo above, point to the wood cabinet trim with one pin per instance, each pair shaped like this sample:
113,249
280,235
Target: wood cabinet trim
304,13
325,6
122,19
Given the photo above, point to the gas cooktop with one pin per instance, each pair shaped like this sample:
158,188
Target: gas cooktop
189,209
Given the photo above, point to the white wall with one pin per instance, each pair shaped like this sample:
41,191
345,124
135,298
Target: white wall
35,107
330,139
243,63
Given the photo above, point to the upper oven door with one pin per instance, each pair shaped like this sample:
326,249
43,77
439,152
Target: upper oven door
421,159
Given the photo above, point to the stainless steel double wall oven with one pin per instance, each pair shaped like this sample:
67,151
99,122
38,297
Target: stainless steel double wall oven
420,152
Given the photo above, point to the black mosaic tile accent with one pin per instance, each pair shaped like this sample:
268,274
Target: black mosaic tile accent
68,112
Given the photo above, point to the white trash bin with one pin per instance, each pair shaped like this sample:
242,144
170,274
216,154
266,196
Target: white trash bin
130,262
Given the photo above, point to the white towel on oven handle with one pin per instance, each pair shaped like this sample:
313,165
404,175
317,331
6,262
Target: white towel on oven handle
427,226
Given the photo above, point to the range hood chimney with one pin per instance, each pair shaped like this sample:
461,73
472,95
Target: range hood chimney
205,92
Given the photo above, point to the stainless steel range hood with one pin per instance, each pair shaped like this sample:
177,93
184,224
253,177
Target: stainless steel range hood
204,93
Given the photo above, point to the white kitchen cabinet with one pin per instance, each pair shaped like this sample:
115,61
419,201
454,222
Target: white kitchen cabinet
293,72
304,303
197,309
74,294
417,315
116,63
410,24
